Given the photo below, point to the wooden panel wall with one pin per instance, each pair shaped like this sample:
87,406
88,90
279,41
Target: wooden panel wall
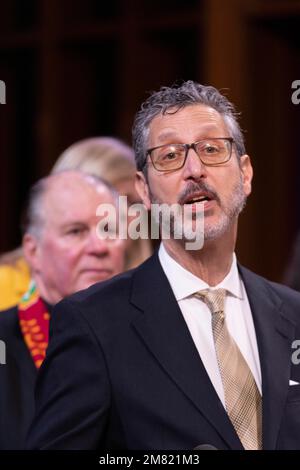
79,68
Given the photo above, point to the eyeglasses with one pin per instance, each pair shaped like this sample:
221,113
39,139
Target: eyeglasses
212,152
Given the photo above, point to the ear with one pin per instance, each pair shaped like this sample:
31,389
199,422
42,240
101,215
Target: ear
247,173
142,189
31,251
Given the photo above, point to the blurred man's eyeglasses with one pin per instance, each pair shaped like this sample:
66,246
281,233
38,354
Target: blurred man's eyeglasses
212,152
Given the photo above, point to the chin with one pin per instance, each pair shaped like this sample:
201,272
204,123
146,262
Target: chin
217,230
99,277
86,284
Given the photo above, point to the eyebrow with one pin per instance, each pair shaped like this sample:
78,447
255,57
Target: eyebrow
71,224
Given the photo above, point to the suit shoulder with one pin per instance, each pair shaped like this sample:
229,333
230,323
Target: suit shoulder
105,303
119,284
8,316
8,322
118,287
281,289
109,304
290,299
285,292
278,293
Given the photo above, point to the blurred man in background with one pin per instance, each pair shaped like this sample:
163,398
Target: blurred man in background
65,254
106,157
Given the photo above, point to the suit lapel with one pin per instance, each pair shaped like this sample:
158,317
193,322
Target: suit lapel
165,333
274,333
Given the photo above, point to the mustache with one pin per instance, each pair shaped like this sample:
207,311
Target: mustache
193,187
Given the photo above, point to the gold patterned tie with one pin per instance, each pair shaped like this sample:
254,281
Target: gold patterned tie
242,398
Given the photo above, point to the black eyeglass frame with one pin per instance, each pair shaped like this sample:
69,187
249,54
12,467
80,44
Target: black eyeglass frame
187,148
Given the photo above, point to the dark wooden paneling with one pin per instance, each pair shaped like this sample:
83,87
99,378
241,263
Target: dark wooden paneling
82,67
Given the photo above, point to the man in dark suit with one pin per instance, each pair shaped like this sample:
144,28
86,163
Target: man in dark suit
64,255
189,348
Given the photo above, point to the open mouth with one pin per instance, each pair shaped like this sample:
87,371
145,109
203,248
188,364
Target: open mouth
199,198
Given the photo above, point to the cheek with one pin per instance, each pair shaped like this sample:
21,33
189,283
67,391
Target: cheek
50,256
72,262
60,260
117,254
165,187
228,182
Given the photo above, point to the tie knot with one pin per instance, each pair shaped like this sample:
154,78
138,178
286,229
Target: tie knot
214,299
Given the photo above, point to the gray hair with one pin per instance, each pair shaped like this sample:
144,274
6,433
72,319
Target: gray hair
33,218
179,96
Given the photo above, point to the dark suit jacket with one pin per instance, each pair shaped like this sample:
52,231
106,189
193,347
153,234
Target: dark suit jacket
122,371
17,380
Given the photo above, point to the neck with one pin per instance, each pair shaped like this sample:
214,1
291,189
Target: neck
48,295
211,263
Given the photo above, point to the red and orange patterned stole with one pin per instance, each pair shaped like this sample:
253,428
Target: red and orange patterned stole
34,324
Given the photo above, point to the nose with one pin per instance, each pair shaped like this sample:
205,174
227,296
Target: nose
194,168
97,246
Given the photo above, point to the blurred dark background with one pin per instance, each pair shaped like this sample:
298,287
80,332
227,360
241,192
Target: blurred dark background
80,68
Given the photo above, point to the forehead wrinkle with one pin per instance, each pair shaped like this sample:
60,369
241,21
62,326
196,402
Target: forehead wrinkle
173,134
202,120
74,202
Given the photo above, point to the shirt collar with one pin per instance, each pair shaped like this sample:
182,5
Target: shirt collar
184,283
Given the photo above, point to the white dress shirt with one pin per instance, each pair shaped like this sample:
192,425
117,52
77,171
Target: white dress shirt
198,317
